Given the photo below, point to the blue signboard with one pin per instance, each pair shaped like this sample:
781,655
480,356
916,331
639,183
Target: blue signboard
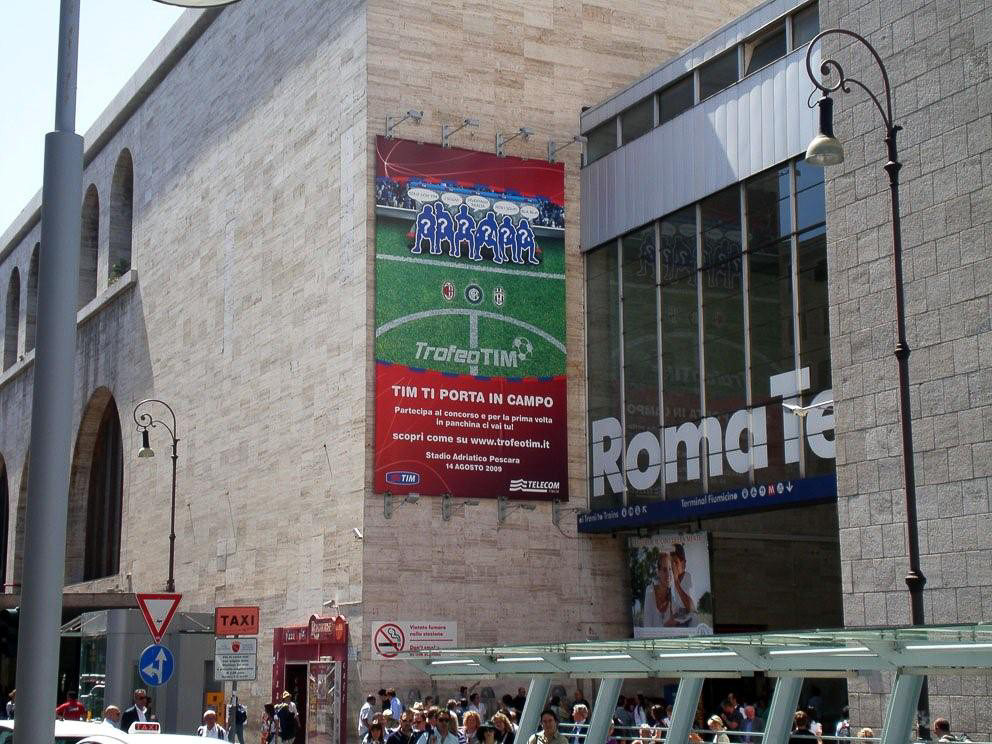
746,498
156,665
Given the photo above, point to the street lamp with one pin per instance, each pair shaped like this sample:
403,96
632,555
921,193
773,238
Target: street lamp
145,421
826,150
51,399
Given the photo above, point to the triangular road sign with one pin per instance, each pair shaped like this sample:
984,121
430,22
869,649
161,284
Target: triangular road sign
158,610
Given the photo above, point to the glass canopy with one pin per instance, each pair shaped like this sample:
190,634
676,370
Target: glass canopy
913,650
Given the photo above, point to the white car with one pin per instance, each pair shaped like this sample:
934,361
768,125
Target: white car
139,733
66,732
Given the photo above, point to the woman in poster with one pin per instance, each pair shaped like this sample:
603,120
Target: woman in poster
658,606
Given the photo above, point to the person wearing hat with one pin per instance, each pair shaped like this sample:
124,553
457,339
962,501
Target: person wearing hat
210,729
289,717
486,733
389,723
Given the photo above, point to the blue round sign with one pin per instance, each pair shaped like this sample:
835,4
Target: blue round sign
156,665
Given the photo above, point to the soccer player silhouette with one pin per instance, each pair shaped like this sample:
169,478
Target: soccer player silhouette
426,230
445,229
485,237
508,241
526,245
465,227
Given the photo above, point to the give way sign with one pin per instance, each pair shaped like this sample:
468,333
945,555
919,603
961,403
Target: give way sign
158,610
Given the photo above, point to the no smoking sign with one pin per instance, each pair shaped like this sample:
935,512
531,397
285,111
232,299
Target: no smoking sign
389,640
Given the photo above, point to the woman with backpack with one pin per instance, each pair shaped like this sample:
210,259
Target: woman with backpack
270,724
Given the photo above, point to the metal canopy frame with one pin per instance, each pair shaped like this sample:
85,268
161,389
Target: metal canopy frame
910,652
952,649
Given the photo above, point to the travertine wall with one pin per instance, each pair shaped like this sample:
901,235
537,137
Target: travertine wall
531,63
937,55
249,310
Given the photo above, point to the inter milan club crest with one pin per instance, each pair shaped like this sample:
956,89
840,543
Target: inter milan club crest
448,291
499,296
474,294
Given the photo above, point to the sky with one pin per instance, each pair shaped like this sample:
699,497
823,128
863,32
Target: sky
115,37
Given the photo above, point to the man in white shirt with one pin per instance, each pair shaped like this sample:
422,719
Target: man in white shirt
365,716
475,703
137,712
443,733
210,729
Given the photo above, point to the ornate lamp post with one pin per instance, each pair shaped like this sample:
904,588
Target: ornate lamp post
825,150
146,421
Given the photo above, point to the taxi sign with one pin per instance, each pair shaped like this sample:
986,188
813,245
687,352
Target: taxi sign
236,621
144,727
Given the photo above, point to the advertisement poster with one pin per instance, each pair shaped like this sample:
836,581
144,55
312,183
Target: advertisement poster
470,324
670,583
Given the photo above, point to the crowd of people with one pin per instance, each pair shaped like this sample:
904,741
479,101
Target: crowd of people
384,719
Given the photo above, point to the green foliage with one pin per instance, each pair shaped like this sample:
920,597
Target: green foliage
643,569
119,269
705,603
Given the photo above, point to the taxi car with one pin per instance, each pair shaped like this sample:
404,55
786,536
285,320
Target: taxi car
139,733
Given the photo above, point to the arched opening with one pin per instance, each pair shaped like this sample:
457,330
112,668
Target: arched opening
22,511
121,217
89,246
12,320
4,521
93,539
31,316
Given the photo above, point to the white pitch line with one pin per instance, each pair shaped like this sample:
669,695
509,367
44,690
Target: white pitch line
472,267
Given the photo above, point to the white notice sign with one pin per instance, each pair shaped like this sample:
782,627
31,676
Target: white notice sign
236,659
402,636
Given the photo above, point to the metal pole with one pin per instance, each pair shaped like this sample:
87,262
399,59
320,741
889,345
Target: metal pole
598,728
781,713
530,716
898,725
51,406
170,585
684,710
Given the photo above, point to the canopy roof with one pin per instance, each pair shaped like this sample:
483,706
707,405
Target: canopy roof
952,649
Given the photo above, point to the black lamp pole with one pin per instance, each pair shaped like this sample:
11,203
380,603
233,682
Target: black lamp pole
145,421
915,580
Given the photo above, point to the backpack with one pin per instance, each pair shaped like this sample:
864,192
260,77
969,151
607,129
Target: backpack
287,722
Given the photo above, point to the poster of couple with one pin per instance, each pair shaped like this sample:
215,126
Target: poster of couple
670,581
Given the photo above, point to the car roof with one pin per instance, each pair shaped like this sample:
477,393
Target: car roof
65,728
115,737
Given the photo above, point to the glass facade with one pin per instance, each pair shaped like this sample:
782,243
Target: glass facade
699,326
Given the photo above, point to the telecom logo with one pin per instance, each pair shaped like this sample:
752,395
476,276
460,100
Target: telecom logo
533,486
402,478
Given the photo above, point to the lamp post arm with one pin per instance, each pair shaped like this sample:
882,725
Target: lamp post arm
829,67
145,420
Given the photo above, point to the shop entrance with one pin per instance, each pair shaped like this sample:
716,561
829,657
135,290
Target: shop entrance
311,664
296,685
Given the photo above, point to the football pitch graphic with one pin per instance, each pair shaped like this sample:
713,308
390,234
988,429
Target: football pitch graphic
470,324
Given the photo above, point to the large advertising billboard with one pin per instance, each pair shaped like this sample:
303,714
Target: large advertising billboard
469,324
670,583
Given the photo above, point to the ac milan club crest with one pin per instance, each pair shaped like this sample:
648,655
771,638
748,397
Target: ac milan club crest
448,291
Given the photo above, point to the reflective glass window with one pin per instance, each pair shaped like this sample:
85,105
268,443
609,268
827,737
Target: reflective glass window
765,49
680,335
603,345
601,141
719,73
637,120
814,326
805,25
675,99
723,313
810,199
640,346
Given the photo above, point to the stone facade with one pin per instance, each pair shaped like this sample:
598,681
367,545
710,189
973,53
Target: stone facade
938,57
248,308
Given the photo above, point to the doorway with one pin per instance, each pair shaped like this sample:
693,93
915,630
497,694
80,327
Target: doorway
296,685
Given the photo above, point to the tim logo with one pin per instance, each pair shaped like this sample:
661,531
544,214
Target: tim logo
402,478
530,486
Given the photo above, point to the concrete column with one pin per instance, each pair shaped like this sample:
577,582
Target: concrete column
684,710
782,711
530,718
901,713
602,710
